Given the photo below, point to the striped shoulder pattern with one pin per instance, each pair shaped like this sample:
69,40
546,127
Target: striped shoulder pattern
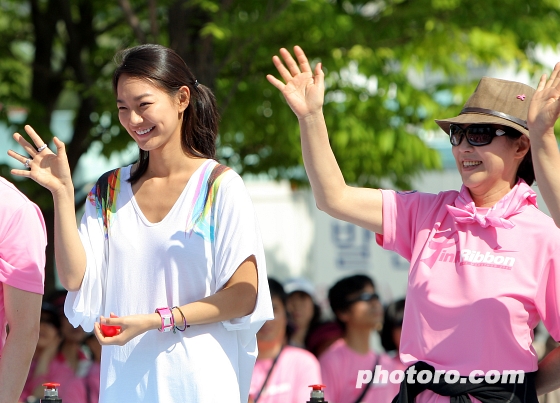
200,219
104,197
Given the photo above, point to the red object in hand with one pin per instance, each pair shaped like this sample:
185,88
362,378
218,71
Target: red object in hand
110,330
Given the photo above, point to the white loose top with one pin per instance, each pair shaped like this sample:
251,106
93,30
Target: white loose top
135,266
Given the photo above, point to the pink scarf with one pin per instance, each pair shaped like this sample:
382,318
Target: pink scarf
511,204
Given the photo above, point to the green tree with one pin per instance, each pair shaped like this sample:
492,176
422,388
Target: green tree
57,54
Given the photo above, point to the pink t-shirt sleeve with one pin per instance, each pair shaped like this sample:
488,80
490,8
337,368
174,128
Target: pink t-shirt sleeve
22,249
547,299
400,219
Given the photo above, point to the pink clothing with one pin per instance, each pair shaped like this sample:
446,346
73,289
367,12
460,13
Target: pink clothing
340,366
92,382
23,238
479,281
289,381
72,386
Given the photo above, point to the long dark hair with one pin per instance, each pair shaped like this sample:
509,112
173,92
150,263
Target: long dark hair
164,68
277,290
393,319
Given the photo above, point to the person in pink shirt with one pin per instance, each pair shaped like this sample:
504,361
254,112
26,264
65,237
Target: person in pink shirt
94,375
359,313
58,357
282,373
22,274
45,351
484,261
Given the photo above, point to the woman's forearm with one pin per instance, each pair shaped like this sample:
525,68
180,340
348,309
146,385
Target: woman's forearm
320,163
22,313
546,162
69,251
232,302
15,362
235,300
548,375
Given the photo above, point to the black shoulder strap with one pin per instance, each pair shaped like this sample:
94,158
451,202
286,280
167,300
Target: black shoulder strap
366,388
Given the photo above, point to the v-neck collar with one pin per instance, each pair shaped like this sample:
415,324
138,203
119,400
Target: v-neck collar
192,180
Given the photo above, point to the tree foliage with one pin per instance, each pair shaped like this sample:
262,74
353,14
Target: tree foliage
392,67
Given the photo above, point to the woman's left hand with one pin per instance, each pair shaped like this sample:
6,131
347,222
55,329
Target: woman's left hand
130,327
544,109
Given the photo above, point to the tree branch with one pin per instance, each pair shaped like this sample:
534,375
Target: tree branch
154,27
132,20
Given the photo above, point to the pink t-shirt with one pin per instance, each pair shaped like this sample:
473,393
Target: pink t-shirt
92,382
289,381
340,366
474,294
23,239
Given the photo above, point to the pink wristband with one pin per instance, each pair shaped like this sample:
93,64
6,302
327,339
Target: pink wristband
167,321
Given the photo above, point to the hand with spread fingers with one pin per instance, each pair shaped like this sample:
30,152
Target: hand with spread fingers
545,108
303,90
48,169
52,171
544,111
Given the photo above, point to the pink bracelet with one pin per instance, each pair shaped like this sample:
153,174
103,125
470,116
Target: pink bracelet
167,321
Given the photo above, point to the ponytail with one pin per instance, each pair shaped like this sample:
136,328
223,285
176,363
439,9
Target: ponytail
200,124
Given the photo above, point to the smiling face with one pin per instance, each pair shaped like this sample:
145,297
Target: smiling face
149,115
490,169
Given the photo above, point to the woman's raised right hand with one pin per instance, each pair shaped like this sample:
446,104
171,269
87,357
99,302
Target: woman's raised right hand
303,90
48,169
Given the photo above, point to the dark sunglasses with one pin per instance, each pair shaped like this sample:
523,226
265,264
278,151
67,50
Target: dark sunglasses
366,296
477,135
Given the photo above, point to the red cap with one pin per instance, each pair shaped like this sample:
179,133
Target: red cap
51,385
317,387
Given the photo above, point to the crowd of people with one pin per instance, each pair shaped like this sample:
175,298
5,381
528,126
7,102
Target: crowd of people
289,358
288,361
169,256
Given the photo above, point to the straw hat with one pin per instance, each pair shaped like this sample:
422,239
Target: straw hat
495,101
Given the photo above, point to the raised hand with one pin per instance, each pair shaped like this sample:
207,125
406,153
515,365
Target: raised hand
545,105
48,169
303,90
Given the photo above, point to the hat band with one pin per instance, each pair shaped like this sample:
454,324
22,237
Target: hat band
520,122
